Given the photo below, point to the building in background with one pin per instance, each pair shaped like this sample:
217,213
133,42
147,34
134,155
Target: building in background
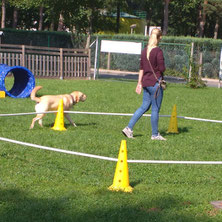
129,24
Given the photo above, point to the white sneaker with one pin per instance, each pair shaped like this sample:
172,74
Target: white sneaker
158,137
128,132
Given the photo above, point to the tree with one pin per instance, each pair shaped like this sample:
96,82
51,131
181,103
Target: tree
61,22
166,16
115,7
21,10
152,8
41,17
15,18
202,18
195,17
214,8
3,13
186,22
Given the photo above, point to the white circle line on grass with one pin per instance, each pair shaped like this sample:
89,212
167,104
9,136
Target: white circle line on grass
57,150
111,114
109,158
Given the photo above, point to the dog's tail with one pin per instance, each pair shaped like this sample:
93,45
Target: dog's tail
33,94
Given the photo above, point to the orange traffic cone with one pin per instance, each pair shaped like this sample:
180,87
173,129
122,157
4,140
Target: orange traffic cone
121,177
59,121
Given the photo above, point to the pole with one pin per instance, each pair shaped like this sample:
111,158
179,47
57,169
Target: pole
220,72
95,62
191,60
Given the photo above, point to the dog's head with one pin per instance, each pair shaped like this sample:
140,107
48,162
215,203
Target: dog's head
78,96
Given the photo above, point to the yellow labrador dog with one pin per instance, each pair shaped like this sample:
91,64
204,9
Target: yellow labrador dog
51,103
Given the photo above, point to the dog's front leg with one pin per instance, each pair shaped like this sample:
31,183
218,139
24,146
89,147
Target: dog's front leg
32,124
70,120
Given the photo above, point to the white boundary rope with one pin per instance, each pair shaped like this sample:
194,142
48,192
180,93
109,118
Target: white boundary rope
177,162
57,150
108,158
23,114
112,114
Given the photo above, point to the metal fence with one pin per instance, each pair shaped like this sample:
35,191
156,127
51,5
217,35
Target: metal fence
177,56
208,60
48,62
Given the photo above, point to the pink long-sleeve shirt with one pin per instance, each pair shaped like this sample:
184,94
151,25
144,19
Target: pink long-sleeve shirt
157,62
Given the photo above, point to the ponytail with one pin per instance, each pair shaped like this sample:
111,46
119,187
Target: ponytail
154,39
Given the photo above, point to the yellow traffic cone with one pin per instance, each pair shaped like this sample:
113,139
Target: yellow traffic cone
121,177
59,121
2,94
173,121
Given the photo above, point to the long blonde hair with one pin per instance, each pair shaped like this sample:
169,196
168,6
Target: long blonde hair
154,39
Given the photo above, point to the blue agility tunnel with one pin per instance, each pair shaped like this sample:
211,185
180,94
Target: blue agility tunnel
24,81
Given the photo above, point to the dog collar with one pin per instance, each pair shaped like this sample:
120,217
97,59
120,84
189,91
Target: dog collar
73,99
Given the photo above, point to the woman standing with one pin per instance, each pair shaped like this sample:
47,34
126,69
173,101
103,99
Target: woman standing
152,61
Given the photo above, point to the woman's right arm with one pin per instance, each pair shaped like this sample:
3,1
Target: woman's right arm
139,84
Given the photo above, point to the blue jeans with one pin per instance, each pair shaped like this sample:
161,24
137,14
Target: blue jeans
152,96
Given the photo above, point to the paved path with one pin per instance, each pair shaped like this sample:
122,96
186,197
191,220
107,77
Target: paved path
115,74
213,83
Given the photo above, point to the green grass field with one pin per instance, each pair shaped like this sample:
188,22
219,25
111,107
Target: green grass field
40,185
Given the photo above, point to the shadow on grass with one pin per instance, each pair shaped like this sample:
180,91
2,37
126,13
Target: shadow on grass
104,206
68,125
83,124
184,129
134,183
137,135
164,133
180,130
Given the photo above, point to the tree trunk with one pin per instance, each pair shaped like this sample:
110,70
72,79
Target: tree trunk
166,16
202,19
40,18
90,18
216,28
15,18
3,14
117,17
88,41
61,22
148,18
52,26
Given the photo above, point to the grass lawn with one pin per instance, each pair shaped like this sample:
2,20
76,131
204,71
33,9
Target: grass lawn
40,185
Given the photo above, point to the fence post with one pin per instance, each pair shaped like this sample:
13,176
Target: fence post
95,62
89,63
191,60
23,56
108,61
220,71
200,64
61,64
